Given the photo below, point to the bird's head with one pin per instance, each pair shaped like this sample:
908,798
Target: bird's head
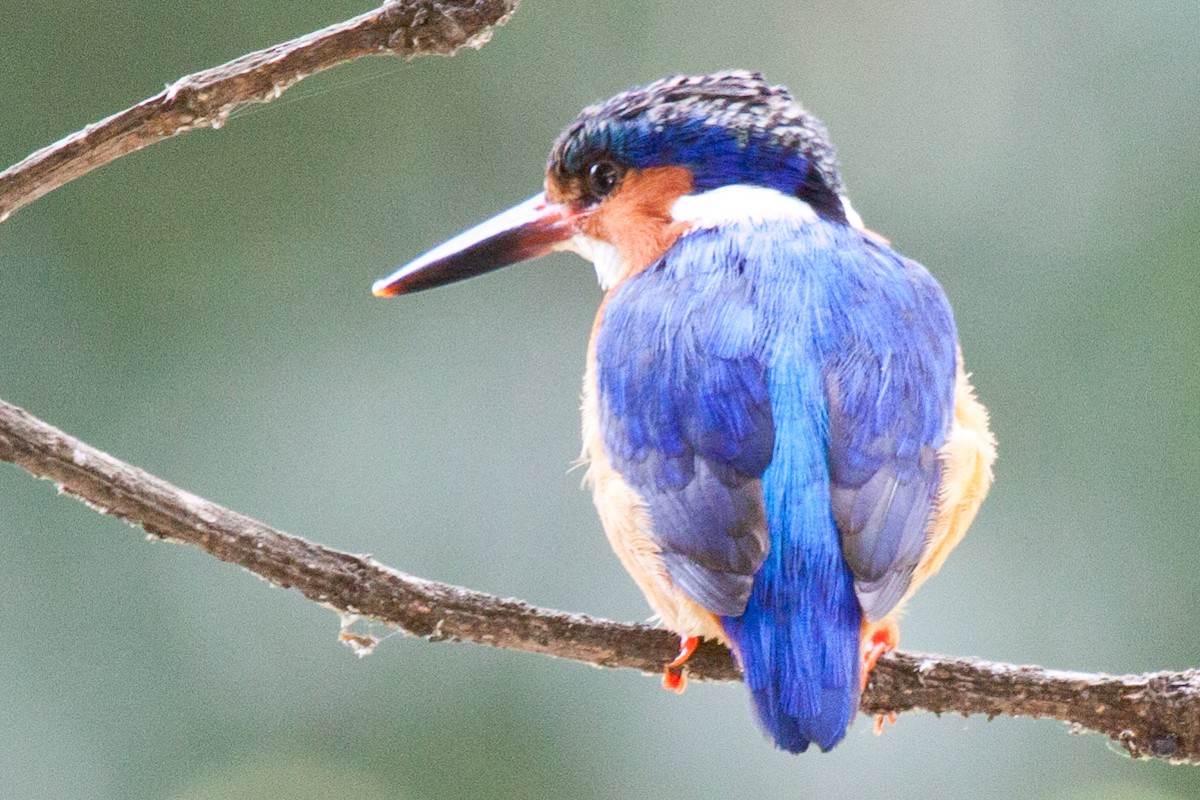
632,174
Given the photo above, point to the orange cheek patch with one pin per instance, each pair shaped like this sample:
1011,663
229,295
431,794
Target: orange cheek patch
636,219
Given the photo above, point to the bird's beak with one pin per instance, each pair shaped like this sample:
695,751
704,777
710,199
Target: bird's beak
525,231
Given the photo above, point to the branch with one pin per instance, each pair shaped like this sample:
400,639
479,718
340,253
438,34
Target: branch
1151,716
1156,715
205,99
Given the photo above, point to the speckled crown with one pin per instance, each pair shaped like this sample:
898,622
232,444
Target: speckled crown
740,102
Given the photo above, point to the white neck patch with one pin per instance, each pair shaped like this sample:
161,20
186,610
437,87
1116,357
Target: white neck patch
851,215
740,203
743,203
604,257
726,204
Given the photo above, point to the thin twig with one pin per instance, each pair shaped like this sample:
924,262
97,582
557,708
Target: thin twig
1155,715
206,99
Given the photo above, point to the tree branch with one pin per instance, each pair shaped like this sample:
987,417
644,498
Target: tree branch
1155,715
205,99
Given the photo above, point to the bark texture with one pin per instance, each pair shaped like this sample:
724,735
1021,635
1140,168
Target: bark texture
205,99
1155,715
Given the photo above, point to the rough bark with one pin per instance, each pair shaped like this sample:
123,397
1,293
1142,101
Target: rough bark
205,99
1156,715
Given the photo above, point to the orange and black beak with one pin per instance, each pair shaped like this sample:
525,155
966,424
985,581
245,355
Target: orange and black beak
526,231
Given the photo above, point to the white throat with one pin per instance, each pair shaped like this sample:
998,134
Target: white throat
604,257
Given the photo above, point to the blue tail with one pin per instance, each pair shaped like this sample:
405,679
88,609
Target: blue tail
798,641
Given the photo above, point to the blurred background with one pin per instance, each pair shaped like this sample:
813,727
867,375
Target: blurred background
202,309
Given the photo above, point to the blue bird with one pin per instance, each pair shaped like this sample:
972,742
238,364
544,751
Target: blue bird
781,440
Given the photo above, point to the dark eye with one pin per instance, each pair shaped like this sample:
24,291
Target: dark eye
602,178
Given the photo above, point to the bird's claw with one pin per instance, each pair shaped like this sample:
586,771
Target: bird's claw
883,720
882,637
673,676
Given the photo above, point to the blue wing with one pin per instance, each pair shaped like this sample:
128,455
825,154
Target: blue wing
686,419
686,415
846,351
889,380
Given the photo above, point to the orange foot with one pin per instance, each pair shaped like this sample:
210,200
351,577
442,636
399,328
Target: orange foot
883,720
673,677
878,638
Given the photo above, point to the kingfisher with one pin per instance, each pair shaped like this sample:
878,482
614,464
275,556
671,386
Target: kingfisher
780,437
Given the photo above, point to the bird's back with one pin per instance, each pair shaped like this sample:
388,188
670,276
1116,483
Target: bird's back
717,368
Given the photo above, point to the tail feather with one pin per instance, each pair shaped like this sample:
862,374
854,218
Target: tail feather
798,639
798,642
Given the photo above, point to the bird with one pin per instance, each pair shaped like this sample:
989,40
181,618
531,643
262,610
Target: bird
781,440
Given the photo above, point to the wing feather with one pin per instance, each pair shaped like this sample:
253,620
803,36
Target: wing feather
890,389
686,419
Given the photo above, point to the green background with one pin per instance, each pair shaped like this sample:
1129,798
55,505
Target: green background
202,309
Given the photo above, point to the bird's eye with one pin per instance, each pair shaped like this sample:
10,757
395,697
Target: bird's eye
602,178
